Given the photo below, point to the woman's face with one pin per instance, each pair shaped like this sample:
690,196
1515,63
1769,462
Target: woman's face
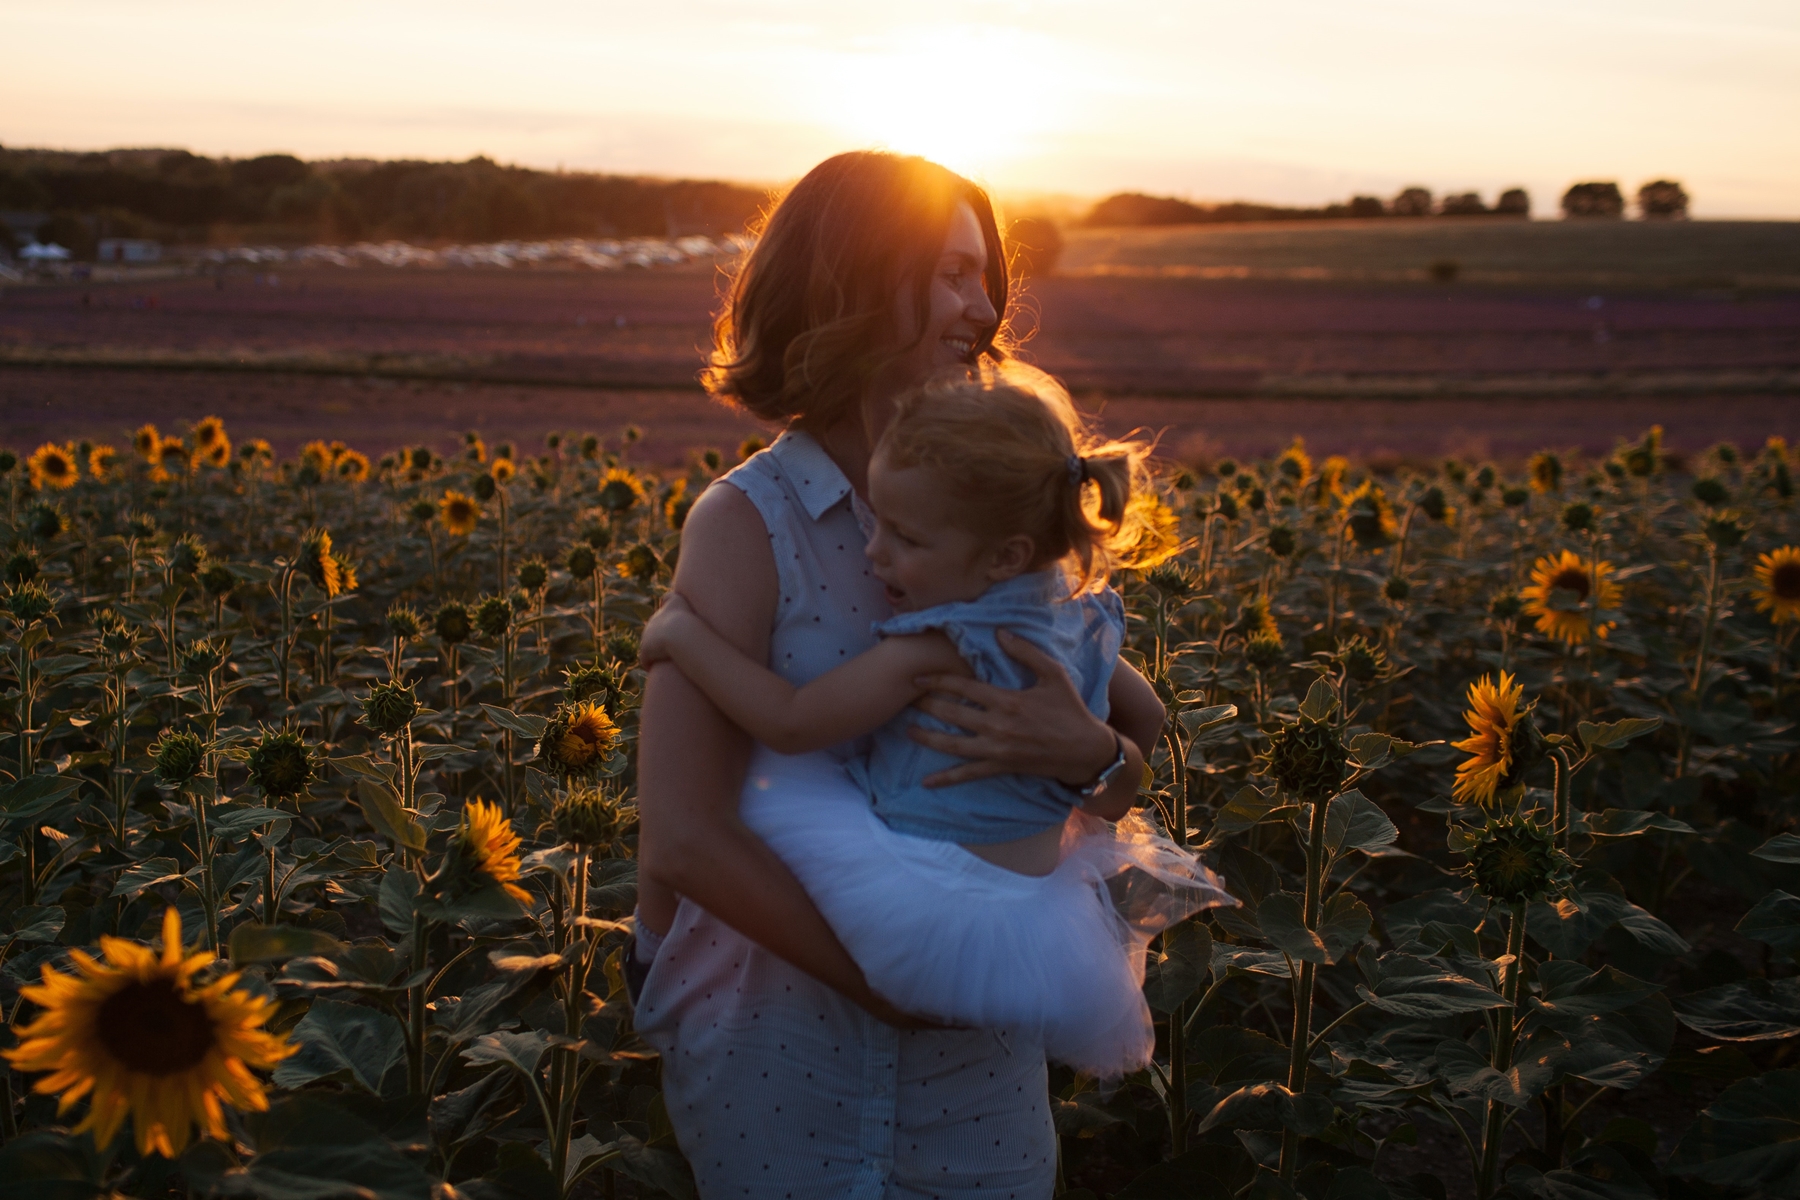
959,312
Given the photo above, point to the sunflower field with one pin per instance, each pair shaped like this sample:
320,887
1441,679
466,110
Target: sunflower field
317,825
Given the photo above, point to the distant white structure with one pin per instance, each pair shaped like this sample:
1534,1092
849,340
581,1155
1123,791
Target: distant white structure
128,250
40,252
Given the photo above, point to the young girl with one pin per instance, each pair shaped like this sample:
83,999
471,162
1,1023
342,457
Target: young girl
980,903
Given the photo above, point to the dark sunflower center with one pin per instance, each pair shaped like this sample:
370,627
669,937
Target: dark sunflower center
1571,580
1784,581
148,1027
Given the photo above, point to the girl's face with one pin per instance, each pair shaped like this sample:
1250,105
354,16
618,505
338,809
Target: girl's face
920,553
959,309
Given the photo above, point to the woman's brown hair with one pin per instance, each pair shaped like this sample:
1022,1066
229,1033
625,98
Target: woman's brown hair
1012,453
810,317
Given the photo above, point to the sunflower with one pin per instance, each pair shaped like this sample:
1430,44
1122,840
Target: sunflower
503,471
1331,476
1546,472
208,432
138,1037
100,462
490,847
1778,574
217,454
578,737
1255,620
172,457
1493,716
146,442
1370,517
257,452
1294,464
474,449
316,561
53,466
620,491
1153,530
460,512
318,456
352,466
1565,617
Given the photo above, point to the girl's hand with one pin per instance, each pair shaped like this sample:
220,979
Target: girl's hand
1044,729
661,630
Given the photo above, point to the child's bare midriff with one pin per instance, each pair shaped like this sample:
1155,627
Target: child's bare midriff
1034,855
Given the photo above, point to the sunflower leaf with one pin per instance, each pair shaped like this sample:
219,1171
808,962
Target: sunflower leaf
382,807
526,725
1616,733
259,943
335,1036
1749,1138
1354,822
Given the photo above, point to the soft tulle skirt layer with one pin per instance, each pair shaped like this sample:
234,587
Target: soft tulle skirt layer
944,934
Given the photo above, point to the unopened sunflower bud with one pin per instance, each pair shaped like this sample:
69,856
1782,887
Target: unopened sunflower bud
590,817
1264,650
1307,759
453,622
403,622
581,562
29,602
389,708
204,657
179,756
1282,542
1578,517
493,617
280,764
21,566
1514,860
1397,588
217,580
484,487
534,574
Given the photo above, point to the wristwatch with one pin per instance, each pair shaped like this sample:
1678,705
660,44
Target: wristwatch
1108,773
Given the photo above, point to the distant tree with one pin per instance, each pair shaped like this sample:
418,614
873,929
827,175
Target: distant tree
1664,199
20,192
1593,200
269,171
1135,208
1413,202
1367,206
1463,204
72,231
1513,202
1036,244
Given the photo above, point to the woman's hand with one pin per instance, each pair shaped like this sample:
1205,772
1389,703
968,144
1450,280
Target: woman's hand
1044,729
662,629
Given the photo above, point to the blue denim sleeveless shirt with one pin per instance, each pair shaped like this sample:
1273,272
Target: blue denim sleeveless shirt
1083,633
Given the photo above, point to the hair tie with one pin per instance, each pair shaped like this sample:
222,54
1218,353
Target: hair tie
1078,470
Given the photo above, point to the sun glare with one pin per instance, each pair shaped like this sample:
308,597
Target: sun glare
953,95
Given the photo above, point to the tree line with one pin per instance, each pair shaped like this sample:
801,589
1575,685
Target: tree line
178,196
1660,199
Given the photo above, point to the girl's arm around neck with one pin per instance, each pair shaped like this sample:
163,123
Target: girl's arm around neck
856,698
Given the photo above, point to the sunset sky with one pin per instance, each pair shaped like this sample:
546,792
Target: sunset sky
1291,101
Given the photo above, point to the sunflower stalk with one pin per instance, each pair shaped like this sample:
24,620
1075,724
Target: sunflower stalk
566,1079
27,760
208,897
1301,1041
1505,1032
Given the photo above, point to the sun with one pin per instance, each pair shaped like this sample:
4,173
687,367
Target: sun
948,95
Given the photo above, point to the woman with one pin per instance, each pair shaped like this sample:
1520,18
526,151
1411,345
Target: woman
784,1075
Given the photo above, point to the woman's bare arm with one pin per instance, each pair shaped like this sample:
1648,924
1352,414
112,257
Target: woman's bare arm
1044,729
856,698
692,760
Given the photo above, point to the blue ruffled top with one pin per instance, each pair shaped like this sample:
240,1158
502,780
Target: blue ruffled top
1083,633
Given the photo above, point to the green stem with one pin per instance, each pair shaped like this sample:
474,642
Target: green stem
1503,1050
208,898
27,765
1300,1046
415,1013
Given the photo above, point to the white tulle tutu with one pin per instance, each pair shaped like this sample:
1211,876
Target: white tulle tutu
944,934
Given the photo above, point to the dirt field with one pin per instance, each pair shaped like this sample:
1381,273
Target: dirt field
1219,364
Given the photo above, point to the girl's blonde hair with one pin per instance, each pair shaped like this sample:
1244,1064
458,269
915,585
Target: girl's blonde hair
1011,451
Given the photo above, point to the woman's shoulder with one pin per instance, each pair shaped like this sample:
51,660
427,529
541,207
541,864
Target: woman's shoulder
724,532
